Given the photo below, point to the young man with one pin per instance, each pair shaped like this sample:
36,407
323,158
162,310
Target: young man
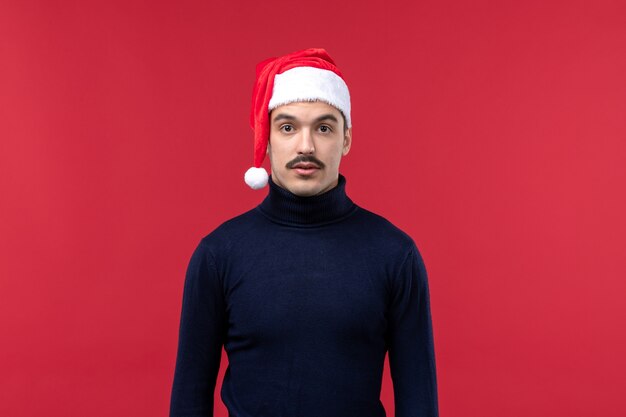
307,292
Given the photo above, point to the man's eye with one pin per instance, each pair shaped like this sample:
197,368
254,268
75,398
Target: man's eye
325,129
286,128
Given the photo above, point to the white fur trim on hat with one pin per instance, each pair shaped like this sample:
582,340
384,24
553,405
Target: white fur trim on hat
309,84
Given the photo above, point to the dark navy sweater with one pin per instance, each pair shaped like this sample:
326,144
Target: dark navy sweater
306,294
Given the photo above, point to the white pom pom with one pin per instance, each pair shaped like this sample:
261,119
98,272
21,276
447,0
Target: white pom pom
256,178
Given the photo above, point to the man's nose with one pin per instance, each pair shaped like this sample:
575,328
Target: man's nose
306,144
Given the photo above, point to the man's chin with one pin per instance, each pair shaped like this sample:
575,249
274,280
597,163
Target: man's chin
304,188
310,187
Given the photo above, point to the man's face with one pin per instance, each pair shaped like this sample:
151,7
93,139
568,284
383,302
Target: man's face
306,144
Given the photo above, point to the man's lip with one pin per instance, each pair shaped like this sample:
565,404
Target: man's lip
306,165
306,171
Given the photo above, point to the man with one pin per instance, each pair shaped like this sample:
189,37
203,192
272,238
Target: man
307,291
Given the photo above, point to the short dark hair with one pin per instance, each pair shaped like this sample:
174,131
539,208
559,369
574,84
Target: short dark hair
345,124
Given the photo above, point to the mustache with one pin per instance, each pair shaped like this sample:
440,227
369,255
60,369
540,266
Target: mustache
304,158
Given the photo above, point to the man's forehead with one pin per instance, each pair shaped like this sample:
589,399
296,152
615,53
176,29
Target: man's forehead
314,109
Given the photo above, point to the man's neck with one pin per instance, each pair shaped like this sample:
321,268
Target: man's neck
283,206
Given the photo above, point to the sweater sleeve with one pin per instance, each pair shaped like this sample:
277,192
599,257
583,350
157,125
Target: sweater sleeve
411,344
200,339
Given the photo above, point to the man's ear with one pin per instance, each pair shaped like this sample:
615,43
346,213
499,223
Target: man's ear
347,141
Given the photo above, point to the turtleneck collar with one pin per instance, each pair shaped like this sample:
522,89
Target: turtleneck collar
283,206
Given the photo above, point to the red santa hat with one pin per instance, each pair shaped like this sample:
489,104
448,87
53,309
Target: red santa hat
306,75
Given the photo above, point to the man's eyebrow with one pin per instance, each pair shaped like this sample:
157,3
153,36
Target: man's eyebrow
284,116
327,117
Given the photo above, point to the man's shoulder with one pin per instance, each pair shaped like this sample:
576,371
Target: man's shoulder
230,228
383,230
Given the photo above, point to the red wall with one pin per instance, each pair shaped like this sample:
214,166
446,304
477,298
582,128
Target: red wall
493,132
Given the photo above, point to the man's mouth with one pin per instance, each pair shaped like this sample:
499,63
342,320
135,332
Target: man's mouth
305,165
305,168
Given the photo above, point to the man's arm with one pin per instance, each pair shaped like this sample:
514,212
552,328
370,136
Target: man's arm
411,344
200,340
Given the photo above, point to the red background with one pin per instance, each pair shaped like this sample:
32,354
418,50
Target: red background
492,132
